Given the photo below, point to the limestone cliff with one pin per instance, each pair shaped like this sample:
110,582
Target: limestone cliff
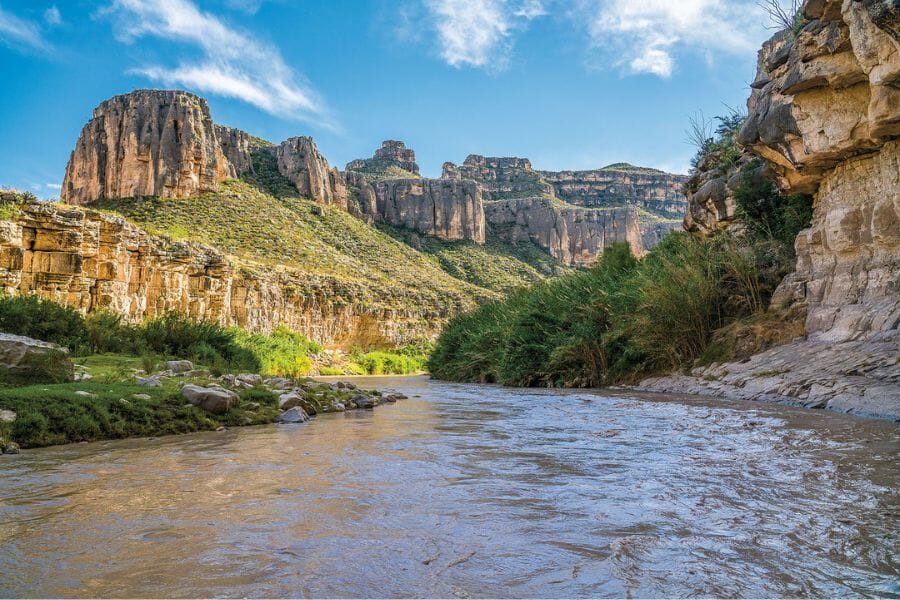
146,143
451,210
621,184
825,111
300,161
93,261
237,147
393,153
500,177
575,236
383,189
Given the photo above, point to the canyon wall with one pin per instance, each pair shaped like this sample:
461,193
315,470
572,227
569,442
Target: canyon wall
500,177
94,261
393,153
825,113
146,143
300,161
621,184
451,210
574,236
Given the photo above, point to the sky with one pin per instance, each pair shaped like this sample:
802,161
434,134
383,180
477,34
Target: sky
570,84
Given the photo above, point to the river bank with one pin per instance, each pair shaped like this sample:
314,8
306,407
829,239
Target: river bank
469,491
112,402
860,378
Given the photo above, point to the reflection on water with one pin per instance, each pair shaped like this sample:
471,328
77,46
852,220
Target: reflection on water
468,491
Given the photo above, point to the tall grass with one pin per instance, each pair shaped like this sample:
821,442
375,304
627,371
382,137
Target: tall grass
622,319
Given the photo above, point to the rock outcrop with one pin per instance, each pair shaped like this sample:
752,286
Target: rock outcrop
825,112
575,236
146,143
451,210
94,261
393,153
621,185
26,359
300,161
237,146
448,209
500,177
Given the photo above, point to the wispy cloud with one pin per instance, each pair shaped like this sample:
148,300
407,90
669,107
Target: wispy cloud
52,16
478,33
19,34
231,63
647,36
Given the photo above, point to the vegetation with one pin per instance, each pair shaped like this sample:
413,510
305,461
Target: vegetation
331,250
687,301
86,411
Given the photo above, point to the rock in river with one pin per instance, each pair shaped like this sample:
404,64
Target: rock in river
294,415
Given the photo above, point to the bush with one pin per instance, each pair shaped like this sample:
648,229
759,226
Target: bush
620,320
43,320
283,353
768,214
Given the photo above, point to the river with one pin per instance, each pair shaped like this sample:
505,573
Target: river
469,491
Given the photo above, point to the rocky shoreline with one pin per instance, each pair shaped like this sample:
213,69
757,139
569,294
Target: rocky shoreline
858,377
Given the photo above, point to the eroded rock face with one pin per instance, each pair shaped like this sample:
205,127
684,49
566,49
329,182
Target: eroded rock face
93,261
392,153
146,143
575,236
620,185
499,177
25,357
237,147
451,210
825,111
300,161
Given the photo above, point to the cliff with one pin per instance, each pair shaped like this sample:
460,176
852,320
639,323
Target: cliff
300,161
385,188
499,177
146,143
574,236
392,156
824,112
617,185
451,210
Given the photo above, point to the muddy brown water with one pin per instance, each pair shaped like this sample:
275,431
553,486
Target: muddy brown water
469,491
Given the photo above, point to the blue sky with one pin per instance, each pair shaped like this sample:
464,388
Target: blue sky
571,84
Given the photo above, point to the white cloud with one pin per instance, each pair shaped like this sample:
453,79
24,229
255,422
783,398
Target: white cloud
231,63
16,32
478,33
646,36
52,16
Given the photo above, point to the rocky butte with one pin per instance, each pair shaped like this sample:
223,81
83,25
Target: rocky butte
825,113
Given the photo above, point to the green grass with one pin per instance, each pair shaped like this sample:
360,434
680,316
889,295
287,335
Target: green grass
55,414
340,257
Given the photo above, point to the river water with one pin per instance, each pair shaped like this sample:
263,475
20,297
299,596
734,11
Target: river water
469,491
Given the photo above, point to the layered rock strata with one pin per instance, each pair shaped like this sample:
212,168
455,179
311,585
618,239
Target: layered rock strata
146,143
574,236
499,177
94,261
825,113
621,185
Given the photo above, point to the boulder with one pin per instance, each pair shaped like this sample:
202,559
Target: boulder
25,358
179,366
213,400
362,401
7,416
148,381
11,448
251,379
294,415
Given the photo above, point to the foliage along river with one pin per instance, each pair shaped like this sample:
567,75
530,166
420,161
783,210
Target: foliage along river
468,491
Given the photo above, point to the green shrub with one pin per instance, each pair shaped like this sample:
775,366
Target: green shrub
283,353
621,319
327,371
43,320
767,213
